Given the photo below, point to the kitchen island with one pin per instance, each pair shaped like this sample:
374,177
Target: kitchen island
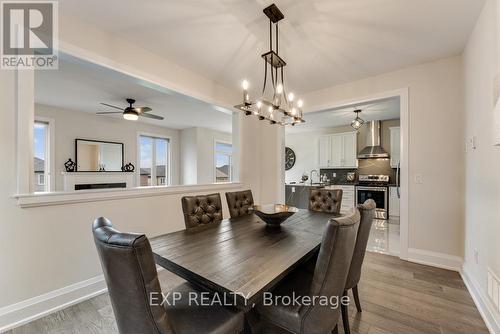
297,195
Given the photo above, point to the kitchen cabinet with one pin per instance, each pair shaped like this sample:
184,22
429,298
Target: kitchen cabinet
324,151
338,150
395,146
348,197
393,202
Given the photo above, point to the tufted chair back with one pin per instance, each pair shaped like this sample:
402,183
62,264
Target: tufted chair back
201,210
239,203
325,200
130,273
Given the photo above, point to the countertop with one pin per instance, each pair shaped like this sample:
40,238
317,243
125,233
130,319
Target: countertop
336,183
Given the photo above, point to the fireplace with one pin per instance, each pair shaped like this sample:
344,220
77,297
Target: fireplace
98,180
87,186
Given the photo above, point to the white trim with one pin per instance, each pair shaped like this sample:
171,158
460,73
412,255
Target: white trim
28,310
435,259
84,196
25,118
483,303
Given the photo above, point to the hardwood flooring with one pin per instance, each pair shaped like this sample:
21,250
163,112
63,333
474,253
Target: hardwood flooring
397,297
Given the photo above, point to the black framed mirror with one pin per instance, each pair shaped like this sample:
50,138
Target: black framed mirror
98,156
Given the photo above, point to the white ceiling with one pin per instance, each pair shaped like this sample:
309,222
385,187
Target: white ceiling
371,111
81,86
325,42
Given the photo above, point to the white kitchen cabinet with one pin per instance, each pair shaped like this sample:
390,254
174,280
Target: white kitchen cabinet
338,150
393,202
324,151
348,197
395,146
350,150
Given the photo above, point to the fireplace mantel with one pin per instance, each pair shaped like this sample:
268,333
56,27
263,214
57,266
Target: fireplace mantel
71,179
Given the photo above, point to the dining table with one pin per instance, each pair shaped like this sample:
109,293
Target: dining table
241,257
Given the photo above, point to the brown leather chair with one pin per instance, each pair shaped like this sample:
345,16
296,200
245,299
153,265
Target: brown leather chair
325,200
130,273
202,209
239,203
367,210
328,279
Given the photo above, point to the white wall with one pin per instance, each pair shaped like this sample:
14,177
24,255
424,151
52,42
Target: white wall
70,124
189,156
482,180
197,154
436,215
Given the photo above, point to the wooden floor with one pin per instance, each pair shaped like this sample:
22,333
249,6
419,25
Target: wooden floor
397,297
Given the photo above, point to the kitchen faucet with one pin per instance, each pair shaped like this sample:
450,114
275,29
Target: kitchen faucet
311,175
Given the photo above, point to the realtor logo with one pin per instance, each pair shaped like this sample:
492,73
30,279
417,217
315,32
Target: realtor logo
29,35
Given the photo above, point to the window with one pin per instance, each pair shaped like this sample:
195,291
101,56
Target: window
154,169
223,162
41,156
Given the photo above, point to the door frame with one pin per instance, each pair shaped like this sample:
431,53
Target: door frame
403,94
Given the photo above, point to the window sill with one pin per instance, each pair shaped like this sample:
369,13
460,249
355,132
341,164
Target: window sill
83,196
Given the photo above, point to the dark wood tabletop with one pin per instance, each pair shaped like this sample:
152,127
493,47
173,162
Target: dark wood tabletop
240,256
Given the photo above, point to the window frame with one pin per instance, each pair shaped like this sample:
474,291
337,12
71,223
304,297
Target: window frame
217,141
49,184
168,171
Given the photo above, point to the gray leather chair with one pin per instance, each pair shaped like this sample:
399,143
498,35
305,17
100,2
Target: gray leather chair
367,210
130,273
328,279
202,209
239,203
325,200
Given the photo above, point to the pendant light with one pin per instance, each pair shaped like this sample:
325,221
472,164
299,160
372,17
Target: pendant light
358,121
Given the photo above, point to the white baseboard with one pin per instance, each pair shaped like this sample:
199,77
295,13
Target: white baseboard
18,314
434,259
483,303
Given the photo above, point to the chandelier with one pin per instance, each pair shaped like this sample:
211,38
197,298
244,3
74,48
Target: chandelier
274,104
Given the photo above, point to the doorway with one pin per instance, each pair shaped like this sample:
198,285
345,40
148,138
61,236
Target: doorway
323,151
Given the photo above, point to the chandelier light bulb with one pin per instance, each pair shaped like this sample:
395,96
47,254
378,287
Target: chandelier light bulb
293,111
279,89
300,103
245,84
291,97
259,105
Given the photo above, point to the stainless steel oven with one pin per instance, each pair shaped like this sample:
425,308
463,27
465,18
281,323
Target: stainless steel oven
379,194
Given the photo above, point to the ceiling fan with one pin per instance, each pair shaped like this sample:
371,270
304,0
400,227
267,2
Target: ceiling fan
130,113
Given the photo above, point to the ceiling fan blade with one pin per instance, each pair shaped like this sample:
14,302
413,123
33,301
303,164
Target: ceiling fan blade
112,106
151,116
109,112
142,109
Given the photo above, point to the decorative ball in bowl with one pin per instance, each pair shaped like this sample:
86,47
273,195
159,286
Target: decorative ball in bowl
274,214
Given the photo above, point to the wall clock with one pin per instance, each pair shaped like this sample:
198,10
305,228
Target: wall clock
289,158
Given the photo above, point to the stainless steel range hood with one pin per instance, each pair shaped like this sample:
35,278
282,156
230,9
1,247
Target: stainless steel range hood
373,148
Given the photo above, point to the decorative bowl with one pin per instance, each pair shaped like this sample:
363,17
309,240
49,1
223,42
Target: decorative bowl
274,214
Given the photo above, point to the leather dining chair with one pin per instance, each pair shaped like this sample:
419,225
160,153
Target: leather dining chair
201,209
367,210
328,279
132,280
325,200
239,203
